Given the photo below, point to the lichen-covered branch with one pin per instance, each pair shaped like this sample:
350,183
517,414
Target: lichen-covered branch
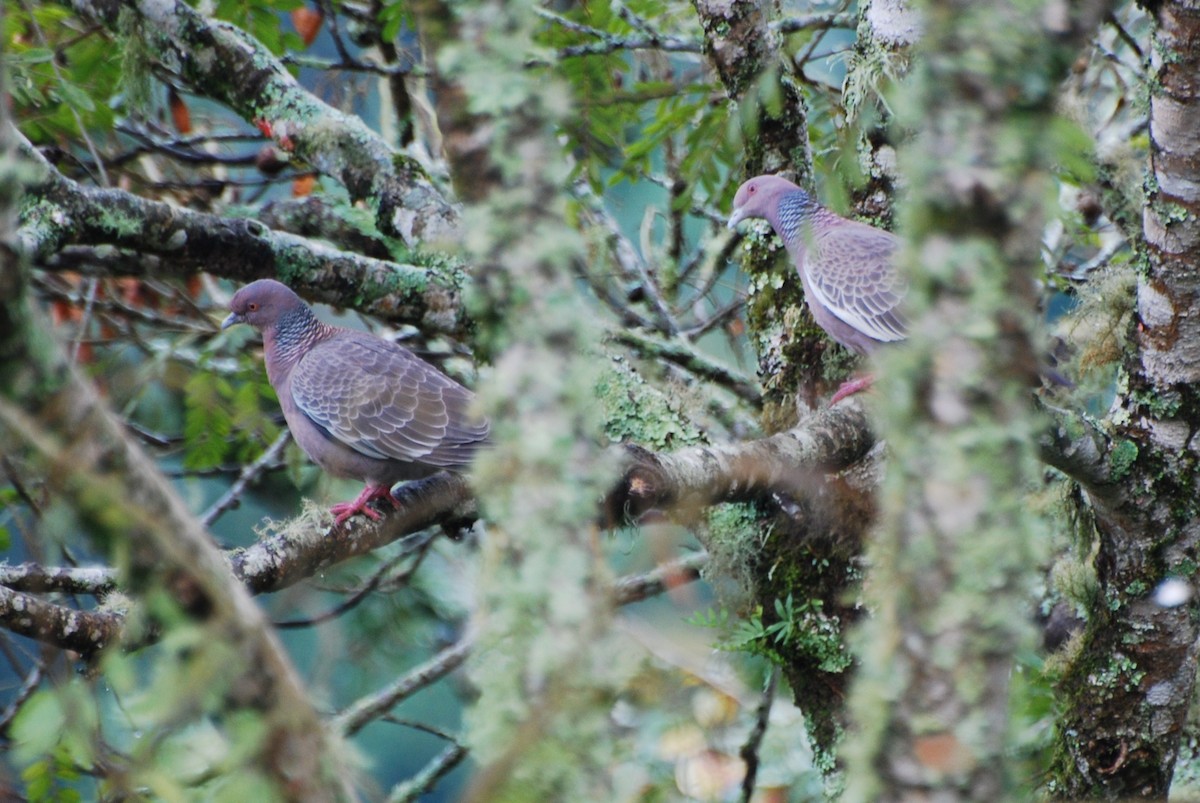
280,560
32,578
697,477
84,632
238,71
172,241
1077,447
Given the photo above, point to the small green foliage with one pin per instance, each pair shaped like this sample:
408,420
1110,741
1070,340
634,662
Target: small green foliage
226,419
797,627
1122,457
1137,588
52,779
59,80
57,722
262,20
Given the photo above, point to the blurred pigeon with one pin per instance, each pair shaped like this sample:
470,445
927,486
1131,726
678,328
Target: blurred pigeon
359,406
846,267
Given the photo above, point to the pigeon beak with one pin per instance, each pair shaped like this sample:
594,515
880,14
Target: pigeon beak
231,320
735,219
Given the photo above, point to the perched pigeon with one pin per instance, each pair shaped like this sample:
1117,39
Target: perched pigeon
846,267
359,406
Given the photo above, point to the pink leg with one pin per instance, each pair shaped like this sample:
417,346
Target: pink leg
850,387
344,510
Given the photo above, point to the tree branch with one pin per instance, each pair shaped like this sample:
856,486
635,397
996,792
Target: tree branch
85,632
239,72
62,212
699,476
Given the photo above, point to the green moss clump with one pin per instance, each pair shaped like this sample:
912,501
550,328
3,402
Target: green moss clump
635,411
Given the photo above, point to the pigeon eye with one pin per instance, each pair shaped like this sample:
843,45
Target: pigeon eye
751,189
252,306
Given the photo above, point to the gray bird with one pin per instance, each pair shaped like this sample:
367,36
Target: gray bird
359,406
847,268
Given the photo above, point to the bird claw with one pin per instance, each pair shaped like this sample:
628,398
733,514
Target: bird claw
343,511
850,387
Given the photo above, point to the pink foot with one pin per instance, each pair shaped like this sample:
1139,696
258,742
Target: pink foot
850,387
344,510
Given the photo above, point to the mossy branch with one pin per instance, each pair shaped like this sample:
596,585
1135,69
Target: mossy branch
68,226
240,73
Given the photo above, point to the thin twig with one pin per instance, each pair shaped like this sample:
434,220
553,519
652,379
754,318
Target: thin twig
420,546
28,687
683,354
232,498
749,751
366,709
429,775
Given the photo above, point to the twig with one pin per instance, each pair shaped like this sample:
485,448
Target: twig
683,354
749,751
429,775
365,709
638,587
420,545
812,21
28,687
232,497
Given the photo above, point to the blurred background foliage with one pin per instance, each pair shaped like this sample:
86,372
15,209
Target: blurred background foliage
655,148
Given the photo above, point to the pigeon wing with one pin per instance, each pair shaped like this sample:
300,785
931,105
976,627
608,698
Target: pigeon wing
851,270
385,402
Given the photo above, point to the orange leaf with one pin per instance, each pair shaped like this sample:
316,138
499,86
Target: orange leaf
303,185
180,116
61,311
307,23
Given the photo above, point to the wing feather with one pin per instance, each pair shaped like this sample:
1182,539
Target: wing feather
851,270
384,402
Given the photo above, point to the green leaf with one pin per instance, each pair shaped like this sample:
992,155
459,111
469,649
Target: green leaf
38,726
76,97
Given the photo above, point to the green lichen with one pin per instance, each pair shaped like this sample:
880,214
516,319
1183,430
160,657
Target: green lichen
1121,459
637,412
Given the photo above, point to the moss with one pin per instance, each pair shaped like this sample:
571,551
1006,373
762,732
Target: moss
637,412
734,535
1122,458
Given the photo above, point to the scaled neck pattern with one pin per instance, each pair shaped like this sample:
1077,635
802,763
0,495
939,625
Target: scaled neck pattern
296,331
795,212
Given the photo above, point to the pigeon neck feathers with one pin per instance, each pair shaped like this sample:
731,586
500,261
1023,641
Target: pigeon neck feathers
794,210
295,332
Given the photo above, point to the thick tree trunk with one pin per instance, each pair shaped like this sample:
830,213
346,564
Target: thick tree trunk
1127,692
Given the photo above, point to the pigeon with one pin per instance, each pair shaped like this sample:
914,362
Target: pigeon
847,268
359,406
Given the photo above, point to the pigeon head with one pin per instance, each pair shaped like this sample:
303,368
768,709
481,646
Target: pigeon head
759,197
261,304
